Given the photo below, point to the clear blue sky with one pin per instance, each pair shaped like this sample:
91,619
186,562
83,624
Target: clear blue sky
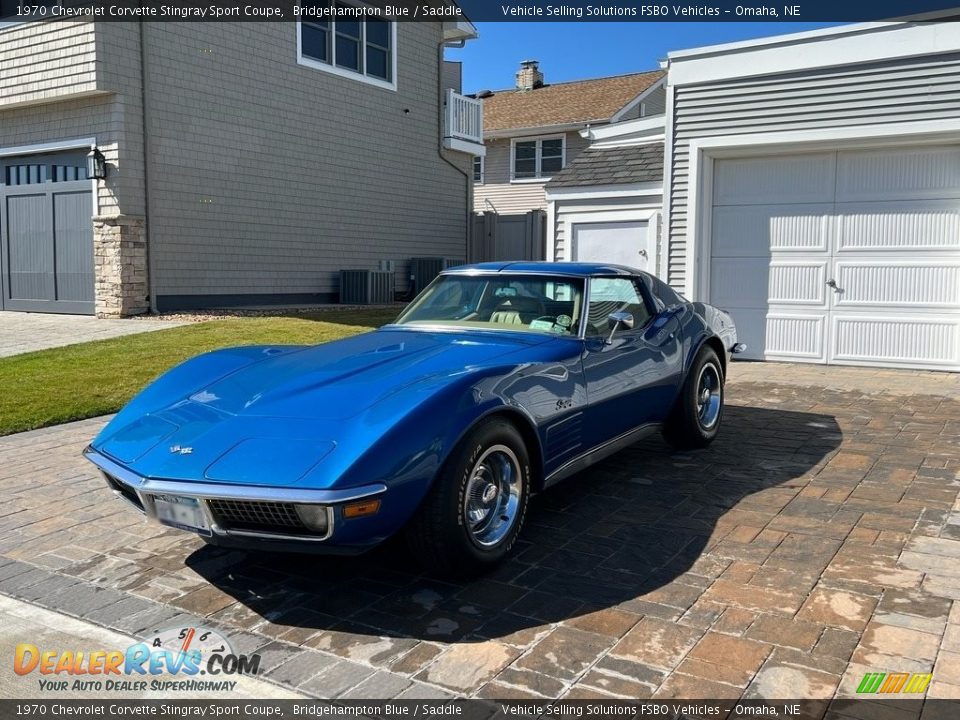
578,50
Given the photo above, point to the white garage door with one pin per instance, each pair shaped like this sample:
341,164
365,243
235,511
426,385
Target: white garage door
849,257
618,243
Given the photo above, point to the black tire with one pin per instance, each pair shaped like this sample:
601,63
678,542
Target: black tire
691,423
440,534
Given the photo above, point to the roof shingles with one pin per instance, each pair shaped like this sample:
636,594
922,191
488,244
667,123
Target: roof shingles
612,166
583,101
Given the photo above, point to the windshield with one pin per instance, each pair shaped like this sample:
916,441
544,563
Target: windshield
499,302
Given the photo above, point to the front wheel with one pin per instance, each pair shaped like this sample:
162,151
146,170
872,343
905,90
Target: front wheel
473,513
695,419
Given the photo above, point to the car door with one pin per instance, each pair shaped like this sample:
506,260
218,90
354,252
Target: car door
630,374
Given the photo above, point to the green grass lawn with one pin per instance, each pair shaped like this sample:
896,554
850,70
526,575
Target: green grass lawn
89,379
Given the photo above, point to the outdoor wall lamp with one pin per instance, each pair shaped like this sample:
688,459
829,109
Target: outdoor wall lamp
96,165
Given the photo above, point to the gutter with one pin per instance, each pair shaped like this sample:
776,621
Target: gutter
467,175
151,266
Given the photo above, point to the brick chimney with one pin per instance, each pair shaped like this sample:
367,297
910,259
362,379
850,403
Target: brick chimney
529,76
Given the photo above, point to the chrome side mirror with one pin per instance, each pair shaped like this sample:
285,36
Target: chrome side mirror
617,320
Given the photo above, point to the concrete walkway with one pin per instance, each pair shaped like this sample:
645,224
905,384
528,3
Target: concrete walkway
25,332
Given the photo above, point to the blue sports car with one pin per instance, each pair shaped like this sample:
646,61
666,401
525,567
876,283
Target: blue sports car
497,381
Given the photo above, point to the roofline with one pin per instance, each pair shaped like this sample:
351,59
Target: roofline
846,46
539,129
583,80
638,99
787,39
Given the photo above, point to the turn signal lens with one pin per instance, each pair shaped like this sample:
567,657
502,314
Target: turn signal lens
361,509
314,517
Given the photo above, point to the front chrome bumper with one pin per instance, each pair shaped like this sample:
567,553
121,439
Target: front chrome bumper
140,492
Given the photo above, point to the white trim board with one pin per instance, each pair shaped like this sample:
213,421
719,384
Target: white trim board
55,146
848,46
704,151
594,192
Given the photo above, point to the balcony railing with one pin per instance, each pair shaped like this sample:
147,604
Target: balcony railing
464,119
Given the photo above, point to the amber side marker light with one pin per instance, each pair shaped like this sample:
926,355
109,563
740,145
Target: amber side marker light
361,509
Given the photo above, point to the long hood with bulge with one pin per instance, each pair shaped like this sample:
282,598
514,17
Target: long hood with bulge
276,418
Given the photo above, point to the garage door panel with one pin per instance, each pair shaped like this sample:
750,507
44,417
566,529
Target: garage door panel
740,282
798,283
904,226
898,341
883,223
28,257
795,336
798,179
751,330
899,284
741,231
73,241
900,173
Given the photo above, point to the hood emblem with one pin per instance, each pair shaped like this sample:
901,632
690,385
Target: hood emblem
179,450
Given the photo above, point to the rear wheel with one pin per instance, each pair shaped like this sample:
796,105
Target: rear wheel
695,419
476,507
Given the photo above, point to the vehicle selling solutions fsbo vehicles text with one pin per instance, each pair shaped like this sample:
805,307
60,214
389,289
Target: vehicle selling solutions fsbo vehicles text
577,11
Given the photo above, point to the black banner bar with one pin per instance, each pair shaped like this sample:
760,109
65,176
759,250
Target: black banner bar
492,10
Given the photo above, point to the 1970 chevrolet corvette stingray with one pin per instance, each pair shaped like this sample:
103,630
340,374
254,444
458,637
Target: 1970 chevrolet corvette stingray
497,381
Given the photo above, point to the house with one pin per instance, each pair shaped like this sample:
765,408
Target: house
606,205
532,131
812,187
245,163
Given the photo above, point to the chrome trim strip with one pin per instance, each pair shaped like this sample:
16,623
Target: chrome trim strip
598,453
201,490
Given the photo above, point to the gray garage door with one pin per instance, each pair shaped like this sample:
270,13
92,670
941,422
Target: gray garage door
46,234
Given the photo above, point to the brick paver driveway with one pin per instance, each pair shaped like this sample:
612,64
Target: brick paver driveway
817,539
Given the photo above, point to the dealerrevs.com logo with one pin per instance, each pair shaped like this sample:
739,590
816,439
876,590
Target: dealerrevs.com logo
894,683
169,660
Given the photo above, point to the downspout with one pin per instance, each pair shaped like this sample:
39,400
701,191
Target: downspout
151,269
467,175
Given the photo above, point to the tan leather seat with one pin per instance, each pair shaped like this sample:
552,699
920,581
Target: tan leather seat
506,317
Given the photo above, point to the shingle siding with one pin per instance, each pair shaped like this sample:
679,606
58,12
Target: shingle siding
268,177
46,61
891,92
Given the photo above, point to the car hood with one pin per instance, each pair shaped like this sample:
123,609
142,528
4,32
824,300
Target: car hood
287,411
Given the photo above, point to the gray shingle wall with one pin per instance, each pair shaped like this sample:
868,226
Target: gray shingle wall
269,177
43,61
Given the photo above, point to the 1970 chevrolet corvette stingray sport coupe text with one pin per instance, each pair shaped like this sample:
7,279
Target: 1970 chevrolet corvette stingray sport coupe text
497,381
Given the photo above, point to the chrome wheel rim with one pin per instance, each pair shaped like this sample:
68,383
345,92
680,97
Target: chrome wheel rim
709,396
491,502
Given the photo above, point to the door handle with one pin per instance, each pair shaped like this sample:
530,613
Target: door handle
831,283
643,253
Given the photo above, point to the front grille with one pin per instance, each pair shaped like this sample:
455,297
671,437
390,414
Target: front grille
128,492
275,517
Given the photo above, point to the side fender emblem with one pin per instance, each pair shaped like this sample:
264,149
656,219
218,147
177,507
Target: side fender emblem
179,450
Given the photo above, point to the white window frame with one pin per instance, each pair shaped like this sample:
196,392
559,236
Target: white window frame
332,68
483,169
539,177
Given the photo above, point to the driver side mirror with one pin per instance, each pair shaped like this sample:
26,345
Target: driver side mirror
617,320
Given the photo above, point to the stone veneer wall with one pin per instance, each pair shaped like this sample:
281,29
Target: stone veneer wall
120,257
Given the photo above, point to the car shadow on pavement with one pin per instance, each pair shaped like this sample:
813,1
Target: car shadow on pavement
620,534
